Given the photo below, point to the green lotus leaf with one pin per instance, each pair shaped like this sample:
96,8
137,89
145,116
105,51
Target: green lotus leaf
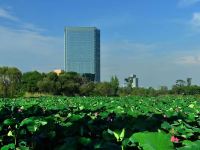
8,147
9,122
165,125
33,123
85,141
153,140
75,117
190,145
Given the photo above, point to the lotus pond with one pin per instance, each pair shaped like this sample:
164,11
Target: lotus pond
70,123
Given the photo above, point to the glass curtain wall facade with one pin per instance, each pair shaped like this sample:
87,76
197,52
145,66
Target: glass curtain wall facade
82,50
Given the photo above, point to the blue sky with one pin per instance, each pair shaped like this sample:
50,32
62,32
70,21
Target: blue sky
157,40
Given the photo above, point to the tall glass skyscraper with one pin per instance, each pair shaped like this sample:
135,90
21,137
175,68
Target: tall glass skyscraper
82,50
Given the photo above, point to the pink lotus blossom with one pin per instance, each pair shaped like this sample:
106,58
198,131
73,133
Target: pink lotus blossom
20,110
90,133
174,139
96,114
109,119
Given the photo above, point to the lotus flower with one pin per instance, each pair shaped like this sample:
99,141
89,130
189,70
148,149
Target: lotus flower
109,119
96,114
20,110
174,139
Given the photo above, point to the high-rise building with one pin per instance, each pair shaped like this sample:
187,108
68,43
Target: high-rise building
82,50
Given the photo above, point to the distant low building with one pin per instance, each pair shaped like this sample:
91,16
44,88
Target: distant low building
132,81
135,81
58,71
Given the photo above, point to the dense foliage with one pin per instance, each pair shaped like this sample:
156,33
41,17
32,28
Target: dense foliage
10,79
13,83
61,123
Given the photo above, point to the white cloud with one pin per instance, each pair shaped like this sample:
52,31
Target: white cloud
189,60
185,3
30,50
23,45
146,60
31,27
4,13
196,20
123,58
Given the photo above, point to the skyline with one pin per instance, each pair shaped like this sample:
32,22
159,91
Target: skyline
157,41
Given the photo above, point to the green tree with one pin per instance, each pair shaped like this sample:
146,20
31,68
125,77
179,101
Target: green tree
124,91
163,90
115,85
189,81
179,87
70,83
103,89
89,76
87,89
30,80
180,83
49,84
10,80
129,82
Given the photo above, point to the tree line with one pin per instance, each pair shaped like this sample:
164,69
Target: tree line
14,83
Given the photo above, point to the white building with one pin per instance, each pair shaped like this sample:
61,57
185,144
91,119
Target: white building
134,81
